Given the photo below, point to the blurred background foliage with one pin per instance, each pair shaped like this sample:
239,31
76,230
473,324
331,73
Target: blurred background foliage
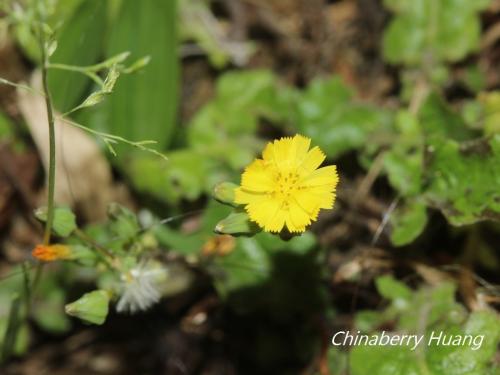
415,137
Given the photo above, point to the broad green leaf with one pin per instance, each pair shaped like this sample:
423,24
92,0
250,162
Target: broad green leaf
337,361
403,162
474,78
424,32
48,310
64,220
431,312
241,97
186,174
490,105
246,266
408,222
438,120
464,180
368,320
123,223
393,290
143,104
79,43
181,243
437,303
337,124
463,359
92,307
404,169
383,360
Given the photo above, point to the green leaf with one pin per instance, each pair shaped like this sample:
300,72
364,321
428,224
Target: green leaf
241,97
143,105
248,265
337,361
178,242
474,78
64,220
432,311
490,105
91,307
368,320
337,124
408,222
186,174
80,43
393,290
123,223
430,31
438,120
48,310
404,169
464,179
383,360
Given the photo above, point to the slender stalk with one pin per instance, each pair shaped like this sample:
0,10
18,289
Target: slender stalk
52,142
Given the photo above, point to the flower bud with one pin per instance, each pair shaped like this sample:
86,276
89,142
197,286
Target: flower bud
224,192
236,223
91,307
50,253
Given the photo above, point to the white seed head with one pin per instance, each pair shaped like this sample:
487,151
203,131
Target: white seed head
140,287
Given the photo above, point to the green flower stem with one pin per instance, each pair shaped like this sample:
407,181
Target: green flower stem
52,142
108,258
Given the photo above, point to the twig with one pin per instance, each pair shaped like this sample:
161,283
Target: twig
385,220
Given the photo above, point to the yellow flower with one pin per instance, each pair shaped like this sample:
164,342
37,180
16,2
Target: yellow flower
286,187
50,253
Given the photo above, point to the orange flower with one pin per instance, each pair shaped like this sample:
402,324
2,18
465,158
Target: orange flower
49,253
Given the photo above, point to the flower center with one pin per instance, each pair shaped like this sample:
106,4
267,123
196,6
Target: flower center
286,186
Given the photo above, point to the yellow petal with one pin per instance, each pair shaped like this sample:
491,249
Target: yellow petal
257,177
268,153
297,219
263,211
276,223
313,160
300,148
310,203
243,196
326,176
326,199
